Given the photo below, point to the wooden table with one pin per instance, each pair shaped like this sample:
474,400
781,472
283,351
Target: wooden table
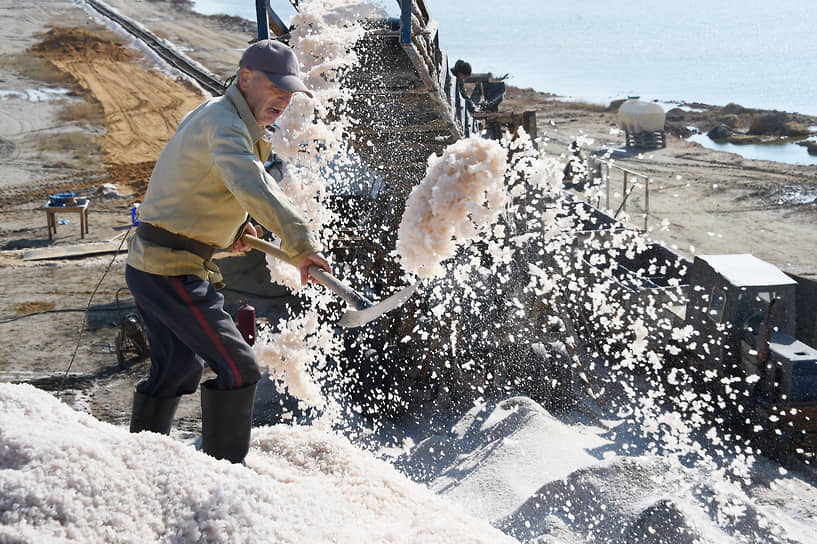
52,211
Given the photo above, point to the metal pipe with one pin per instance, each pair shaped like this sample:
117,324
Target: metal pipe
261,18
277,25
405,21
624,191
624,201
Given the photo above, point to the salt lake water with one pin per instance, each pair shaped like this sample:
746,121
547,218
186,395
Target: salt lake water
790,153
756,53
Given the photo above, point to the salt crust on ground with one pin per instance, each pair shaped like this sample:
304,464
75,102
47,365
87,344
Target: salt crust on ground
67,477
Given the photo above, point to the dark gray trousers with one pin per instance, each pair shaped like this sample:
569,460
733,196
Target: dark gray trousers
187,327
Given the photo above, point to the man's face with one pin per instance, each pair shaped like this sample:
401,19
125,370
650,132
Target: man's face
267,102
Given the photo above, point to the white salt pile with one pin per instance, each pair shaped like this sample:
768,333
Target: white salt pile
462,193
66,477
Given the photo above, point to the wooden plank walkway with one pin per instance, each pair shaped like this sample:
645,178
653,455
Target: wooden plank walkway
74,250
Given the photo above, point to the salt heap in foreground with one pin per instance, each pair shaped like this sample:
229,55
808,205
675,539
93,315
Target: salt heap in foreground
65,476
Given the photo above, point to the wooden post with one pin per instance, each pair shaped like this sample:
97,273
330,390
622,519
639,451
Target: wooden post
529,122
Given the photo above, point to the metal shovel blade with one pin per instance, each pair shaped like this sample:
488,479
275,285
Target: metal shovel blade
357,318
361,310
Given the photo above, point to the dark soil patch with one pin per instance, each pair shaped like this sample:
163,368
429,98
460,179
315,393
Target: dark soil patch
69,43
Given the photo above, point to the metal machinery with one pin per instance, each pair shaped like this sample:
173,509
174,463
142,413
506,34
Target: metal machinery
407,106
749,307
131,337
750,343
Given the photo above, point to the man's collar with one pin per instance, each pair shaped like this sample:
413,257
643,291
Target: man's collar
243,109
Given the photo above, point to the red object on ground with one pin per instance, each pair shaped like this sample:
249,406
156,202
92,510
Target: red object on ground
246,323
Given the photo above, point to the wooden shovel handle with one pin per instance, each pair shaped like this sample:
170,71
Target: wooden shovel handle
352,297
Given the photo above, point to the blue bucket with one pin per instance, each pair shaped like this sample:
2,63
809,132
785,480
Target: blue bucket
61,199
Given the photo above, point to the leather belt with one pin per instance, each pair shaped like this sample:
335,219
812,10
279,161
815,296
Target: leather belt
171,240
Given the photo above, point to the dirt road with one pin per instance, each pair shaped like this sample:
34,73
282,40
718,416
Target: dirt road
66,144
141,109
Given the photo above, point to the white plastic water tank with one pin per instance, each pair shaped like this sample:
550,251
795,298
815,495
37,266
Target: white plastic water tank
639,116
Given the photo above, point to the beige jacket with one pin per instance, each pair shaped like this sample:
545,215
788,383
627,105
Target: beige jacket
210,174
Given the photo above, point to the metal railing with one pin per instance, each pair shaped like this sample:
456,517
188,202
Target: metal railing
609,174
418,37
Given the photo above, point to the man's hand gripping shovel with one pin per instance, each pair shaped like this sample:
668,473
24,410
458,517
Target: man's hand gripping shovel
361,310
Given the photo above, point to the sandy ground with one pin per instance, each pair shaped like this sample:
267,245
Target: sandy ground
700,201
43,301
708,202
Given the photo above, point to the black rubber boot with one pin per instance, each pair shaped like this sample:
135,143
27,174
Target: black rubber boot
226,418
152,413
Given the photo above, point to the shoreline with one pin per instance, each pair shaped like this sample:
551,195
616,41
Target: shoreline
590,94
675,108
238,22
190,6
674,102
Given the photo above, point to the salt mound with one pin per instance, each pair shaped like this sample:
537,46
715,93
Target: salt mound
65,476
462,192
511,449
541,479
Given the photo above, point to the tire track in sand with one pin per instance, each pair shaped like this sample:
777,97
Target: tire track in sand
137,128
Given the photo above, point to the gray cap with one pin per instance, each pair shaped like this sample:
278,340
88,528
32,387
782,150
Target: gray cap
278,62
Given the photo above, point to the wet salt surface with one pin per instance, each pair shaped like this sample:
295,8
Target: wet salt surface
44,94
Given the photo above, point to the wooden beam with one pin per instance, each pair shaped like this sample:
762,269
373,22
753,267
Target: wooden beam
74,250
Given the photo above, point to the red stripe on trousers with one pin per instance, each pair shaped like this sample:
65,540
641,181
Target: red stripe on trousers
208,330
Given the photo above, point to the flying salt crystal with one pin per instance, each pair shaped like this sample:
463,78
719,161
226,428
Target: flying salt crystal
461,194
584,141
300,343
309,133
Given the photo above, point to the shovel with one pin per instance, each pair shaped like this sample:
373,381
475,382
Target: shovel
361,310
